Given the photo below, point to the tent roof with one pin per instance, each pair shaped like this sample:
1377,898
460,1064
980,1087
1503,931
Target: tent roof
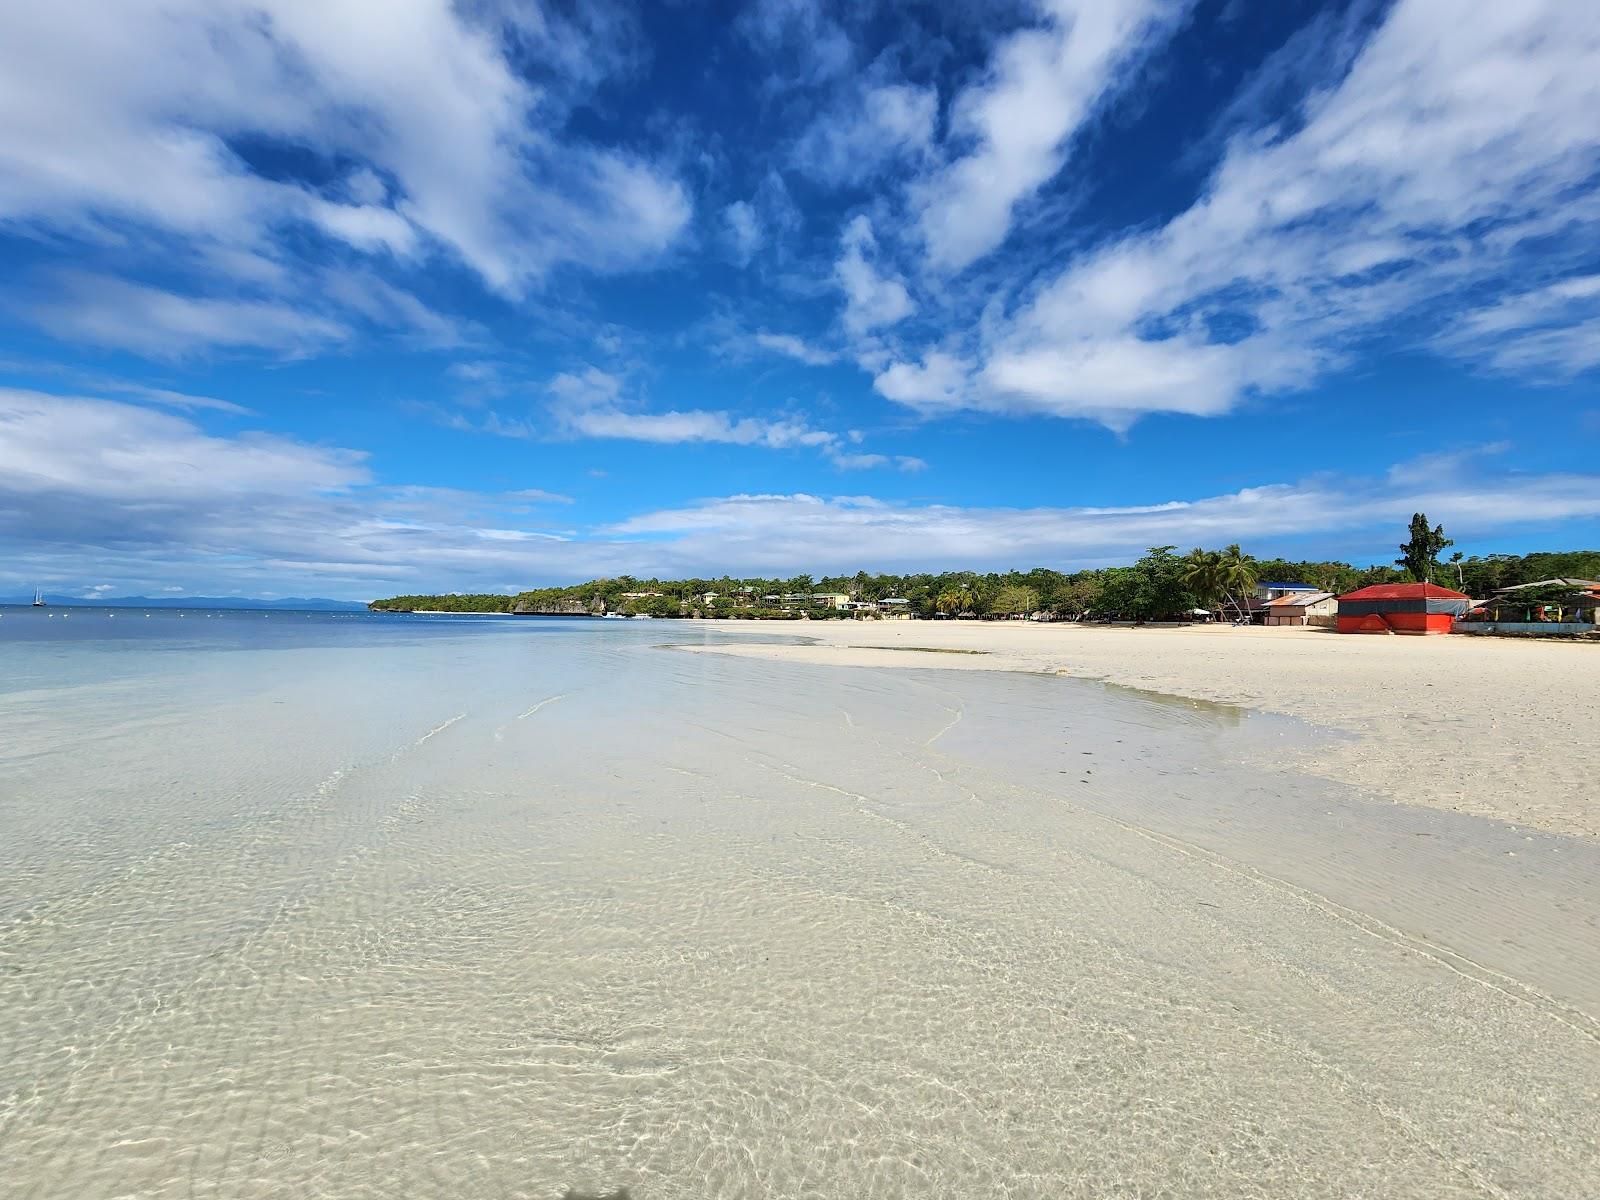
1404,591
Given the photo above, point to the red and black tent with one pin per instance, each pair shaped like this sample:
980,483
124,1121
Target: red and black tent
1401,608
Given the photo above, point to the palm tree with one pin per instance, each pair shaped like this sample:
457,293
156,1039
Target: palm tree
1202,575
1238,577
955,600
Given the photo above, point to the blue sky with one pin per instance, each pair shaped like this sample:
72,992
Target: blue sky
356,298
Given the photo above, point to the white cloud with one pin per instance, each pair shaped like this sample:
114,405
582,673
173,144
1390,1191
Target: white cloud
588,388
149,497
773,532
695,425
539,496
742,227
1552,331
1044,83
938,383
362,293
168,398
105,310
790,346
481,372
807,44
106,452
591,403
452,145
873,299
874,127
847,461
1418,178
128,316
157,503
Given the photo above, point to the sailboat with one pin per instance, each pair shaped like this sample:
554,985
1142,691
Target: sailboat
38,598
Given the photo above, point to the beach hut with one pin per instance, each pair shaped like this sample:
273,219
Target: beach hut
1401,608
1303,608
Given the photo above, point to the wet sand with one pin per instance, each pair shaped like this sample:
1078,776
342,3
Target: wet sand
1496,727
512,913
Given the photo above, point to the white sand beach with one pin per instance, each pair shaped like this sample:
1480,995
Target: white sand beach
1495,727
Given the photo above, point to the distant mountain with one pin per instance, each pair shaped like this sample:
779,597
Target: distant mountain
296,603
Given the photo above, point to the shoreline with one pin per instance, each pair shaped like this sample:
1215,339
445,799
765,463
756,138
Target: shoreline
1492,727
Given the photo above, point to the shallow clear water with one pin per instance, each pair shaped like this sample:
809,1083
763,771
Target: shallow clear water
323,905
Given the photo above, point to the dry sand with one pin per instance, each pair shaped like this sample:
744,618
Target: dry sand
1501,728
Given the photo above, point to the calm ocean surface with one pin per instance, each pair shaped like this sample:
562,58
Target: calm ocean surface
349,905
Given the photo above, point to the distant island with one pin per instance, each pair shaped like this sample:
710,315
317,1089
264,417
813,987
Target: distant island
1162,584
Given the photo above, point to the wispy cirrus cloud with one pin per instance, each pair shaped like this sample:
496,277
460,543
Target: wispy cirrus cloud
1551,331
805,44
264,124
591,404
106,311
147,393
156,322
1044,83
789,346
447,141
742,230
1445,160
868,131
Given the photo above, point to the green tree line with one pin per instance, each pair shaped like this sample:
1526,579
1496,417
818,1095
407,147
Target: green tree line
1162,584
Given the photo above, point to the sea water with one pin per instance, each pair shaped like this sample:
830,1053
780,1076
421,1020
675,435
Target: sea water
350,905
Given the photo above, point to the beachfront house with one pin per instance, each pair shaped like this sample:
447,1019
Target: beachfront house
1303,608
1401,608
834,600
894,608
1546,607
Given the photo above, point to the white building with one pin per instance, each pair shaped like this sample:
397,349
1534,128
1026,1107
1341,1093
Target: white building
1273,591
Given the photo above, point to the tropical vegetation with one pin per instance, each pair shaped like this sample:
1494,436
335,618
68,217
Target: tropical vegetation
1161,585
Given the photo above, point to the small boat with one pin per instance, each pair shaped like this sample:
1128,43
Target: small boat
38,598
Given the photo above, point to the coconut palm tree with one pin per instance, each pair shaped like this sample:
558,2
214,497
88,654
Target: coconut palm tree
1239,578
955,600
1202,575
